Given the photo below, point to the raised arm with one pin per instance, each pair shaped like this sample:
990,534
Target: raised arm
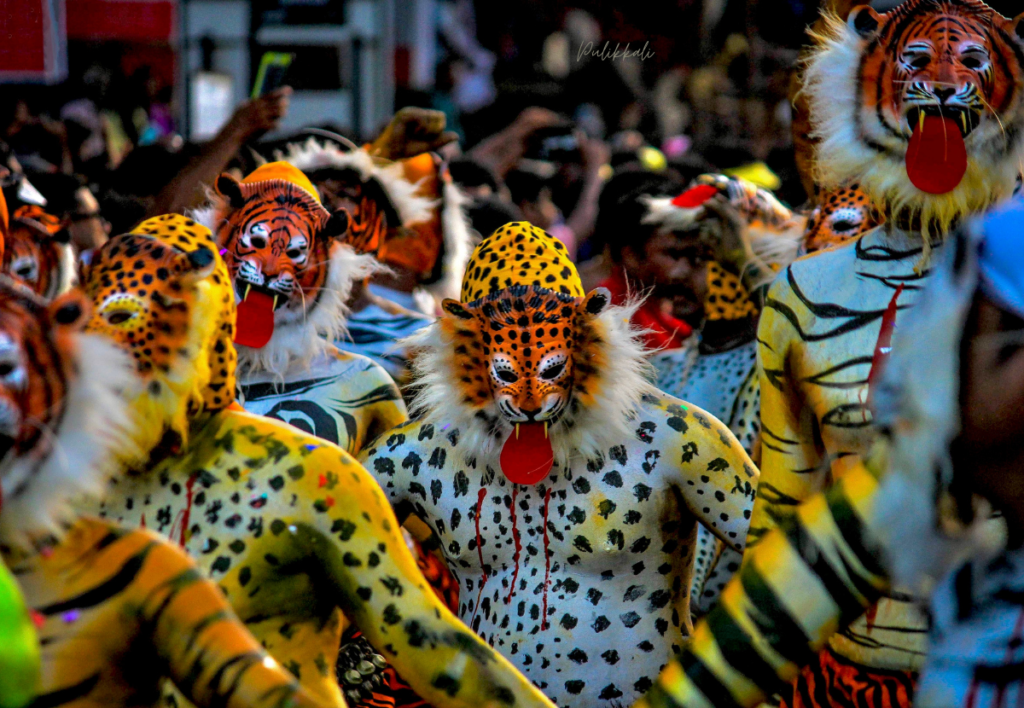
711,469
375,578
803,582
374,396
791,461
209,654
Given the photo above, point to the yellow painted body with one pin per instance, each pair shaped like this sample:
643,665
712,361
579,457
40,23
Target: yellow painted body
120,609
817,337
303,542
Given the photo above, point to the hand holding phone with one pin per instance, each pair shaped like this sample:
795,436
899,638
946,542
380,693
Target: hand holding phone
272,73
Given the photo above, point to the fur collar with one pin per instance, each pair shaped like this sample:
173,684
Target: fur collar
305,335
457,241
312,156
581,432
77,459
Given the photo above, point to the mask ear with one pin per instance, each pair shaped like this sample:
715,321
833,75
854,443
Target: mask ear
231,189
337,224
596,302
455,309
1017,25
864,20
194,266
70,310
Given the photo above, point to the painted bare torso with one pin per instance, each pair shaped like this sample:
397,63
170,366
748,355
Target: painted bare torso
582,581
302,541
818,334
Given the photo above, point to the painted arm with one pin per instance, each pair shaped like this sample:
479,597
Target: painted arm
375,577
791,461
713,473
803,582
19,647
368,404
209,654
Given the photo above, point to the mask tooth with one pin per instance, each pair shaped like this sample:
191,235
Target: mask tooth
247,288
517,431
963,121
545,430
275,303
920,120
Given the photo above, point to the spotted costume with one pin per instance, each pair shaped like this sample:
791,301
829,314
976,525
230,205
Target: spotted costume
826,331
296,534
579,574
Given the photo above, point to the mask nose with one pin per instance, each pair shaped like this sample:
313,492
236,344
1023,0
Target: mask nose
944,94
530,413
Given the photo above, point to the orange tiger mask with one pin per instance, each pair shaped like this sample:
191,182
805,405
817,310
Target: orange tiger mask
277,240
37,252
922,105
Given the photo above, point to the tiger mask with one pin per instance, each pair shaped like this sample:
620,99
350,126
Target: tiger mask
291,264
527,357
38,255
923,106
61,414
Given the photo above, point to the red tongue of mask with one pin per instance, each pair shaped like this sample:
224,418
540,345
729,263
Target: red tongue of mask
254,324
526,457
936,157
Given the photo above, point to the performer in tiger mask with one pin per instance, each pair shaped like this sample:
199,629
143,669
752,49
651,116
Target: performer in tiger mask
923,107
293,265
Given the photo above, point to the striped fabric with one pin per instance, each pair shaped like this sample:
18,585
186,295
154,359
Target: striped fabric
374,332
802,582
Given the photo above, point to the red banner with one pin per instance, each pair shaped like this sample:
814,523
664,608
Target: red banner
123,20
33,41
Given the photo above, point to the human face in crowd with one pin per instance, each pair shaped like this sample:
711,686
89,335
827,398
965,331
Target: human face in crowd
87,227
671,265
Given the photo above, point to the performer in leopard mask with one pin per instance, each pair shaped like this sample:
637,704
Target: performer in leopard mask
565,489
299,538
923,107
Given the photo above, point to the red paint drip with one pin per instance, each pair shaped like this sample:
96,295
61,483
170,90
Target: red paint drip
972,694
883,347
870,616
547,561
142,524
480,496
185,514
519,547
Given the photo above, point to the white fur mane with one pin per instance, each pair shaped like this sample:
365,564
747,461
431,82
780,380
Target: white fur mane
75,460
581,432
306,334
455,231
312,156
832,83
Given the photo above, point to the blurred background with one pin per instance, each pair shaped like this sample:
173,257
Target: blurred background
117,97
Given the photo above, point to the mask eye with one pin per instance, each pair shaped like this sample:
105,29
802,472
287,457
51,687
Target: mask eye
920,62
118,317
844,225
257,236
507,376
7,368
553,372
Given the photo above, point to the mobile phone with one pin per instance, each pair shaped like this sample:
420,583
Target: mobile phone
272,72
